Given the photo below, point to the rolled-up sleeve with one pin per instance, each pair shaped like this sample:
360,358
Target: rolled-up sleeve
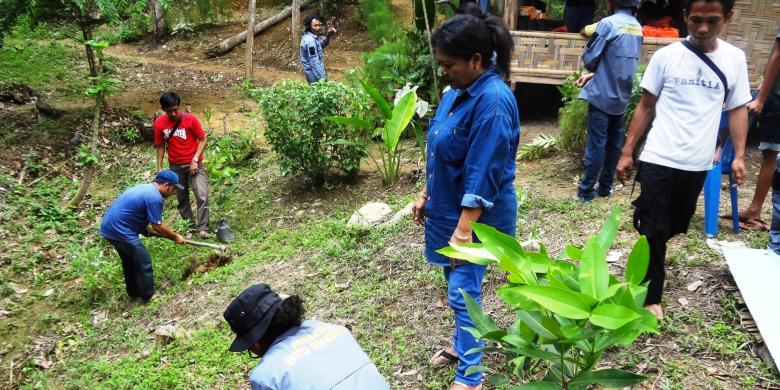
488,153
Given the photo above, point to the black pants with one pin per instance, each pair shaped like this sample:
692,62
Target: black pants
137,267
664,209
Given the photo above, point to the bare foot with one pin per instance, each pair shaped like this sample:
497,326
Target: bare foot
656,309
444,357
461,386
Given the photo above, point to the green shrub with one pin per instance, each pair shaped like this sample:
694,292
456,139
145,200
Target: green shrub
405,60
568,310
225,152
304,141
377,17
573,116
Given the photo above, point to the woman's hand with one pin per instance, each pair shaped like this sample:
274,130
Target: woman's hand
580,82
459,236
418,209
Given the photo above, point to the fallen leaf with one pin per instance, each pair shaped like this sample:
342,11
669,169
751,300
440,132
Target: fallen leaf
614,256
48,292
4,313
408,373
18,290
99,317
683,301
718,373
43,363
440,303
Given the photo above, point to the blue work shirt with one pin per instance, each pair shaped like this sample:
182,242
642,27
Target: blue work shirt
132,212
472,144
316,356
613,54
312,59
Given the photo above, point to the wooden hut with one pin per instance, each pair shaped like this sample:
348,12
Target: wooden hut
548,58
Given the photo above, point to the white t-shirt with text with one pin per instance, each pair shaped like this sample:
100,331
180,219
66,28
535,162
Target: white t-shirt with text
690,100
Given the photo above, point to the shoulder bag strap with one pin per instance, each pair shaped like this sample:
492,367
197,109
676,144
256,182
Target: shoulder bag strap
711,64
175,125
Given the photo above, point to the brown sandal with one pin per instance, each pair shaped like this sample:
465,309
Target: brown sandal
448,358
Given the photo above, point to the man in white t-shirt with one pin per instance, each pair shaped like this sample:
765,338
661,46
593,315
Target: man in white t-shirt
687,96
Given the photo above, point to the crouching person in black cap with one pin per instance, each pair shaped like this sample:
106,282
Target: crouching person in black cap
130,215
296,354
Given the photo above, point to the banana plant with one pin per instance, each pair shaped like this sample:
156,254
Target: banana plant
568,311
396,119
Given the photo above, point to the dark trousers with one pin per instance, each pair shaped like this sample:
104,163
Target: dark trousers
602,152
137,267
666,203
200,188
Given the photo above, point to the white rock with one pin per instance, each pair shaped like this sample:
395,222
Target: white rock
399,215
370,215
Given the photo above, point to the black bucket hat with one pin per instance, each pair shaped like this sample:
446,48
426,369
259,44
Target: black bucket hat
250,314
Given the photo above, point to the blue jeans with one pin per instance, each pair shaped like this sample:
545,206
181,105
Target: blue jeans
602,152
137,267
576,18
774,230
466,276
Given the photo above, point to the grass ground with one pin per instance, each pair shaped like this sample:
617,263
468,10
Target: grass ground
67,323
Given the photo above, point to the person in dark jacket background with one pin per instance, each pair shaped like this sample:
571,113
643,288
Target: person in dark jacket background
312,45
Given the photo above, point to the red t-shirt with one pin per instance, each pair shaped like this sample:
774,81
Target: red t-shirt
183,143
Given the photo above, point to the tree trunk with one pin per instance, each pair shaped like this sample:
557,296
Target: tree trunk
86,32
430,48
86,182
158,14
250,42
228,44
296,29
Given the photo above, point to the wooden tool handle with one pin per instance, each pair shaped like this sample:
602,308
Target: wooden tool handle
206,244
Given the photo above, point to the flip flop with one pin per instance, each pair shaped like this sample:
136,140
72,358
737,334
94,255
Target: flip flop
754,224
448,358
742,218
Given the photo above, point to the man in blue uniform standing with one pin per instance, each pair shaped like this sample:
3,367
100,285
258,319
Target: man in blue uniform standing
130,215
296,354
612,54
312,59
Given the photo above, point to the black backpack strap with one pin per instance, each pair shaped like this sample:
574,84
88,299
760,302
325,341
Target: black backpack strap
175,125
711,64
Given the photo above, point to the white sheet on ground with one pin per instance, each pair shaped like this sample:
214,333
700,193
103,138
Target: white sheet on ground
757,274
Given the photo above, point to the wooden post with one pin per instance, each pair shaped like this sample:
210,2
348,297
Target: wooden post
296,25
250,41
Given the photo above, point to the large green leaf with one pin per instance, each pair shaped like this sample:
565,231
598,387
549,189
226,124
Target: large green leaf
538,385
381,103
611,316
610,377
609,230
497,380
541,262
636,268
594,275
475,368
418,134
573,252
534,321
401,116
357,122
481,321
558,301
490,234
470,256
514,299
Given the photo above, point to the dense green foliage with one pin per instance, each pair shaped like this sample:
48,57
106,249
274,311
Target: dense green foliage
405,60
574,114
377,17
568,310
304,140
226,152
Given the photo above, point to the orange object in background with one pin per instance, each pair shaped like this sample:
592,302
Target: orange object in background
532,12
660,32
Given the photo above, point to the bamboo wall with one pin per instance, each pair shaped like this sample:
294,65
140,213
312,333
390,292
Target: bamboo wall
548,58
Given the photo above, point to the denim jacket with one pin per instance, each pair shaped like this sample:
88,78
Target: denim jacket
613,54
312,59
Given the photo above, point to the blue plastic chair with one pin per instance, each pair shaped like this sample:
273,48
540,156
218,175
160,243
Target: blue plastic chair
712,185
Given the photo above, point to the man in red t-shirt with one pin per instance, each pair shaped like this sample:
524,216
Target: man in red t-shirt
185,146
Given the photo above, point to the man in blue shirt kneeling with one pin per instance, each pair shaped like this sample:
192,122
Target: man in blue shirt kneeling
130,215
612,54
296,354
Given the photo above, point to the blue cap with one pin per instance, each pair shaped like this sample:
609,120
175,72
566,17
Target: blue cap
168,176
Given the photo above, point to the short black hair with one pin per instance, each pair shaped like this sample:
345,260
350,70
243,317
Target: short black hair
728,5
169,99
288,315
308,19
469,8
